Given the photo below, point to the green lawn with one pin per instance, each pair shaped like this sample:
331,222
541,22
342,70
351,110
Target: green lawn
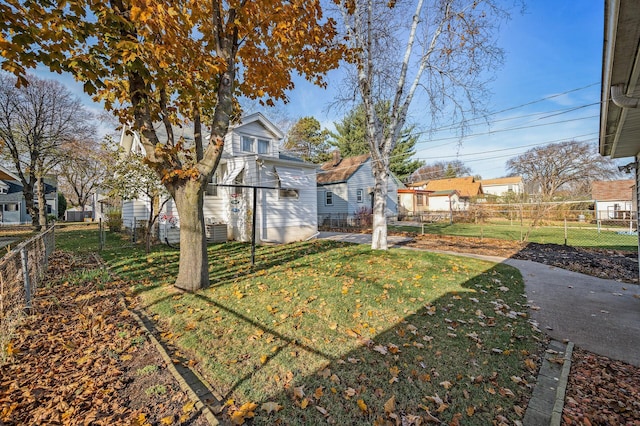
585,236
325,331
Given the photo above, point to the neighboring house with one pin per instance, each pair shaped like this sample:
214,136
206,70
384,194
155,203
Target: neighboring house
13,207
613,199
447,200
412,202
285,194
502,186
620,97
346,186
453,194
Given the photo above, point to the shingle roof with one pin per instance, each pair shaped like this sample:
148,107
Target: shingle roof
612,190
332,173
501,181
466,186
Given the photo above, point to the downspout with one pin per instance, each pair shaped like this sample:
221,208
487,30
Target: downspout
621,99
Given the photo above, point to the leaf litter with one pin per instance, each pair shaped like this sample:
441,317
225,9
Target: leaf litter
81,358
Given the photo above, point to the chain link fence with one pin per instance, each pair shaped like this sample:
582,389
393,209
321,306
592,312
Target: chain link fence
568,223
21,270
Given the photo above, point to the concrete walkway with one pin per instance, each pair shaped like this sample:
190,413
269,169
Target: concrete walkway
601,316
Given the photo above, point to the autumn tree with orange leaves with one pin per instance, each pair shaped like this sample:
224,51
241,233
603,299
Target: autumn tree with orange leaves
174,62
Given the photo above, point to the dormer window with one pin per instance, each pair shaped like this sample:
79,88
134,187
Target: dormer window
250,144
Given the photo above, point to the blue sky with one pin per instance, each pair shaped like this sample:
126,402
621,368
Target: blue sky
552,49
549,87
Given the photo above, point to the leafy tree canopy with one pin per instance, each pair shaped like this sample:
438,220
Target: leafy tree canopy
307,139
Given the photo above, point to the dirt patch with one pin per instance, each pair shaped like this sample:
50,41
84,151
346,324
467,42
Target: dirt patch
81,358
610,264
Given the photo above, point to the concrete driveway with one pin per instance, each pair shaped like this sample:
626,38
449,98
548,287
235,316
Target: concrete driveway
601,316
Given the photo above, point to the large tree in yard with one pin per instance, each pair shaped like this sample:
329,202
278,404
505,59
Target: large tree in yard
561,165
442,47
175,62
38,125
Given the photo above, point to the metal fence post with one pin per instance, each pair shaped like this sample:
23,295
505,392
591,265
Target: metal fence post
25,274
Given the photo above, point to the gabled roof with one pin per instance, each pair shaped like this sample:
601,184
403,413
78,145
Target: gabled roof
612,190
501,181
465,186
341,172
257,116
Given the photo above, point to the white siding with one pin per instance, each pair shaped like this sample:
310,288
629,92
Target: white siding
134,210
340,201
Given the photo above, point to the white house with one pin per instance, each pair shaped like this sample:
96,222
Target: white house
251,164
613,199
345,189
451,194
503,186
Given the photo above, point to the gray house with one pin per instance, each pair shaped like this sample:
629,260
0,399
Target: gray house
345,190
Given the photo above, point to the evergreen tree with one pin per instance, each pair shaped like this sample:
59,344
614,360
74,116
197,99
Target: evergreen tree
350,139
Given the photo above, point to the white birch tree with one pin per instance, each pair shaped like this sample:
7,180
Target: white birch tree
442,48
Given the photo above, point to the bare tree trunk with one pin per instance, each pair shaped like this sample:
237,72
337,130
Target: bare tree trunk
193,272
42,204
379,225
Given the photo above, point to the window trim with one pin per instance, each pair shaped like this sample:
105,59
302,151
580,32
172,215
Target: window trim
328,198
251,143
264,142
360,195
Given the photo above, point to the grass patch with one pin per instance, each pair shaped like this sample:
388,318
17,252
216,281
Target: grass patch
147,370
326,331
585,236
155,390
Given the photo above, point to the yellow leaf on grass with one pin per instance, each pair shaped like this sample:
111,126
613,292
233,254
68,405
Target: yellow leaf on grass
271,407
446,384
126,357
263,359
11,351
471,410
304,403
362,405
531,365
318,393
166,421
188,407
390,405
333,325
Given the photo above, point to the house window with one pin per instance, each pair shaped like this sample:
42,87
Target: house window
3,190
328,199
212,188
10,207
359,195
510,188
247,144
263,146
289,193
420,199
